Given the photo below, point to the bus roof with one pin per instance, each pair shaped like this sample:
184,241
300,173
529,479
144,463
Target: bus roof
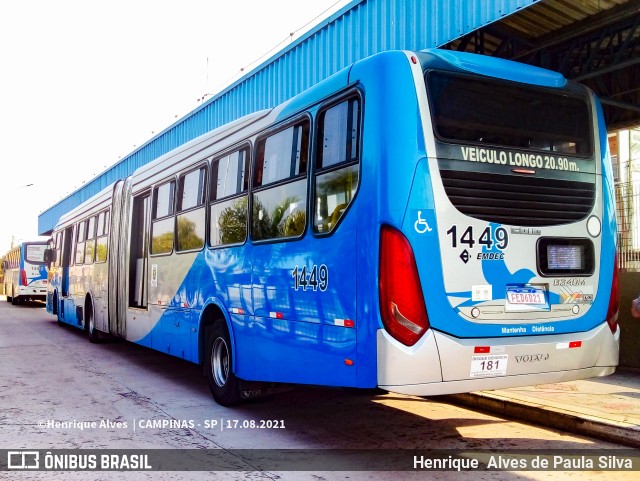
499,68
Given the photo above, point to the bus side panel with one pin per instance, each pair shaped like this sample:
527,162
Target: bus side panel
158,311
181,287
225,277
609,222
304,295
392,144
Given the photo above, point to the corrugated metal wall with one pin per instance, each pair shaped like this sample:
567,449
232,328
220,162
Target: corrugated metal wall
360,29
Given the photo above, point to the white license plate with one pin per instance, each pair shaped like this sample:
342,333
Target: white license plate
489,365
526,297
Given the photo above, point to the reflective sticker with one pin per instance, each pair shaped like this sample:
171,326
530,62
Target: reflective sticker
569,345
344,322
583,295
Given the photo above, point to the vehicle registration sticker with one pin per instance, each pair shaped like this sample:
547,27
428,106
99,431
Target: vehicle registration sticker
489,365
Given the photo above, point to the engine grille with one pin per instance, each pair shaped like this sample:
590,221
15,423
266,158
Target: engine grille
516,200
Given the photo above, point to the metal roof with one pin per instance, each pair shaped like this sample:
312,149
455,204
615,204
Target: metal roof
596,42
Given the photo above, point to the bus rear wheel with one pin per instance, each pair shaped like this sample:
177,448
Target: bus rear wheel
224,385
14,299
89,325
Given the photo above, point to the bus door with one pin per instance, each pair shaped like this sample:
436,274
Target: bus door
304,277
67,243
138,252
135,323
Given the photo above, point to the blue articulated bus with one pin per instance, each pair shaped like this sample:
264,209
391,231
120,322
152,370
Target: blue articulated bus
424,222
26,273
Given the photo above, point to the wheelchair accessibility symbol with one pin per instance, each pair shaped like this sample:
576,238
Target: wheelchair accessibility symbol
421,226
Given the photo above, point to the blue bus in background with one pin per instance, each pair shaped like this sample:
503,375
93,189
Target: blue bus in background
26,272
424,222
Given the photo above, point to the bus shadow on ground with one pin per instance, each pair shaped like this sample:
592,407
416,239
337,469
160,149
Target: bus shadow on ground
25,303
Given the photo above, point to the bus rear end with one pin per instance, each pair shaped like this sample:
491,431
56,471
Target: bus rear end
33,274
503,271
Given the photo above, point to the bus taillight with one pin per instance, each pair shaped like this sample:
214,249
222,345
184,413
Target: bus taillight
612,312
23,277
402,307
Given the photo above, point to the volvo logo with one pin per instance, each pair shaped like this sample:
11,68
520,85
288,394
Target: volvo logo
532,358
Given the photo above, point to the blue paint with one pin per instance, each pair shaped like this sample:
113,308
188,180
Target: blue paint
499,68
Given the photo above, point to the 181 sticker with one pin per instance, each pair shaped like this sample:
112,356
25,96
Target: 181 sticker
489,365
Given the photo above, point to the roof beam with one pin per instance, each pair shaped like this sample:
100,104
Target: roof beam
609,69
592,24
621,105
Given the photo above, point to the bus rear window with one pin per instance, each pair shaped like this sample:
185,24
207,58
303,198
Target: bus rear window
35,253
470,109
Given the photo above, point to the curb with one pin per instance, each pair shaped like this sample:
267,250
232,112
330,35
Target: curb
538,414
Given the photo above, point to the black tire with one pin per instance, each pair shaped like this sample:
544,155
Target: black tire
89,326
224,385
55,308
14,300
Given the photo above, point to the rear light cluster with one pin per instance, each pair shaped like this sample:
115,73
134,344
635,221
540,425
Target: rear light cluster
402,307
23,277
612,312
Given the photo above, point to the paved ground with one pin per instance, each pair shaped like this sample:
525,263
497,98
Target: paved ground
52,373
605,407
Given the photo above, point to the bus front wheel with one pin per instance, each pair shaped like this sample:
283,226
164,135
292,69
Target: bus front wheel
224,385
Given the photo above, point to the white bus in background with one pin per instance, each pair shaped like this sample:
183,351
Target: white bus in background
26,272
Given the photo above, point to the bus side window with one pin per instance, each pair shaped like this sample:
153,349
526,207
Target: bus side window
162,226
102,231
229,186
280,182
80,238
58,249
191,218
337,158
90,244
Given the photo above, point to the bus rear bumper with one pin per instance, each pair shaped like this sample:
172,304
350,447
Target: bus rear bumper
418,370
37,293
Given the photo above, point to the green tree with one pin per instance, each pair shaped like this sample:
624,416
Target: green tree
188,237
275,224
233,222
162,243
